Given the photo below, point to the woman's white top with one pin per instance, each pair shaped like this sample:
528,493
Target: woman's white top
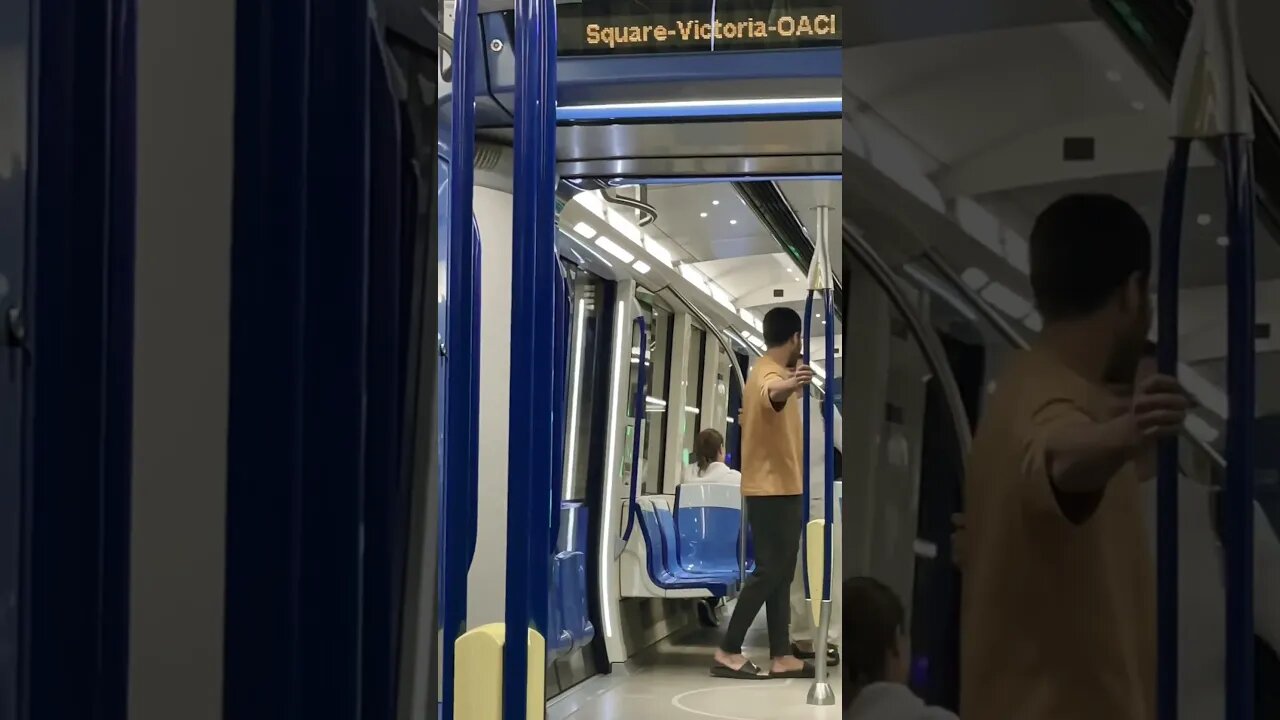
716,472
892,701
1202,598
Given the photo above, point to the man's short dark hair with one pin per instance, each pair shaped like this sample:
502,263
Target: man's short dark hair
780,325
1084,248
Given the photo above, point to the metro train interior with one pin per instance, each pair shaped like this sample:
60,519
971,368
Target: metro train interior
690,185
236,482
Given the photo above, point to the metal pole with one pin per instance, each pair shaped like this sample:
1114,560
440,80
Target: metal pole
530,480
1211,100
462,341
1167,470
820,693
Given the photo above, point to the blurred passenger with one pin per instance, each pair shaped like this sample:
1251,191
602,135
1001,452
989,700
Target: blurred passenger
1201,595
708,461
1058,608
879,657
802,626
772,490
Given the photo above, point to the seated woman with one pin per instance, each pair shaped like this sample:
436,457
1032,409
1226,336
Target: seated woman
709,467
877,657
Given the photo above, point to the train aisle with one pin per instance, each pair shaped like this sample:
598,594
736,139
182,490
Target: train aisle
670,681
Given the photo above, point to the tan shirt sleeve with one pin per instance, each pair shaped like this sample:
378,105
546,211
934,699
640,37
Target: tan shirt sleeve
1039,493
766,380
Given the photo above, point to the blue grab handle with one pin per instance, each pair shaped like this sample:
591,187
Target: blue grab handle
633,511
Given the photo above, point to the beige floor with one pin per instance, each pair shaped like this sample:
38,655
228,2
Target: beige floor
671,682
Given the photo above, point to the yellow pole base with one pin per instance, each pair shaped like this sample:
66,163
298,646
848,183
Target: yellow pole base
477,679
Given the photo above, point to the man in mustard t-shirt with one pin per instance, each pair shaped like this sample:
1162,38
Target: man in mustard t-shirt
1059,586
772,492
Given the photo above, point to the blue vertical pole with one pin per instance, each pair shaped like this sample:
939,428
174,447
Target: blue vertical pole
1238,497
456,507
807,433
1170,252
829,414
529,480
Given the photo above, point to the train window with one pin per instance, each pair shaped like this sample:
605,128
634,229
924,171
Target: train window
658,364
691,414
583,358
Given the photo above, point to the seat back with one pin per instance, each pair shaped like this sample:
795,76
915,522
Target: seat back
667,526
648,525
707,520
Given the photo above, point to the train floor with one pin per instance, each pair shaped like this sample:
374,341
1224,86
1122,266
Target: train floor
670,681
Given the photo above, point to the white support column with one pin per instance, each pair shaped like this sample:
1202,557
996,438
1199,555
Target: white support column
616,486
716,376
678,396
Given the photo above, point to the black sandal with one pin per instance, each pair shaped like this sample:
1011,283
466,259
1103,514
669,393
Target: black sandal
805,673
748,671
833,654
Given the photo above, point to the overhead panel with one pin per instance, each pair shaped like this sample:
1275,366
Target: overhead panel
886,21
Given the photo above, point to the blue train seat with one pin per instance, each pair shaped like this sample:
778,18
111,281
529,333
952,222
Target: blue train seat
659,573
570,619
671,548
577,618
707,520
559,638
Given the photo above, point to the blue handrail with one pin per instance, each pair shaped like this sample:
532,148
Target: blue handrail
1238,496
829,455
633,510
1167,478
531,465
808,452
828,423
457,505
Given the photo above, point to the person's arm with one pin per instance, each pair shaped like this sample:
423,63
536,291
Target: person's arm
778,389
1081,455
1266,580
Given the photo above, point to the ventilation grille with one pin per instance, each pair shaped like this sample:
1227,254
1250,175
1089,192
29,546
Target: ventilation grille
488,156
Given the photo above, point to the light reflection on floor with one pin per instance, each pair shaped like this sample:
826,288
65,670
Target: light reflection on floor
671,682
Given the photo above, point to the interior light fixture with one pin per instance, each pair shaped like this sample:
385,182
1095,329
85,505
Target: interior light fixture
585,230
701,108
1008,301
702,214
659,251
1223,241
715,202
975,278
733,222
615,250
641,267
1204,219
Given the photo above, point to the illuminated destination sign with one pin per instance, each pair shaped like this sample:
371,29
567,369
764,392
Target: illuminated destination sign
591,29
